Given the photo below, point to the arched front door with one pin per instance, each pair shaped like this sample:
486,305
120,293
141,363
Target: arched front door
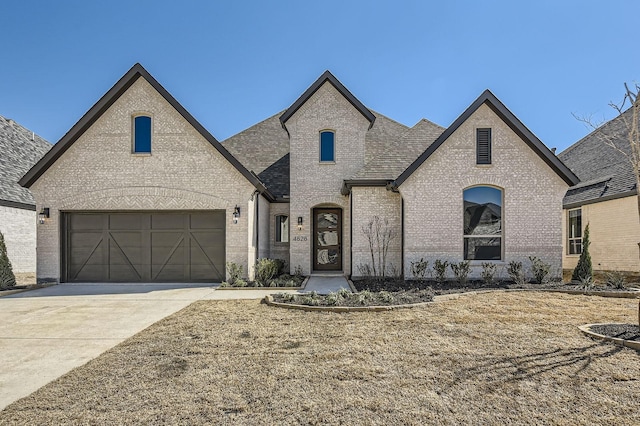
327,240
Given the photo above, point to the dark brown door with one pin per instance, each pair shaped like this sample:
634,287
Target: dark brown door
144,247
327,241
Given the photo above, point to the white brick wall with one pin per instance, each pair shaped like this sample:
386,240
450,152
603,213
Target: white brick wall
318,185
533,192
19,229
98,172
614,231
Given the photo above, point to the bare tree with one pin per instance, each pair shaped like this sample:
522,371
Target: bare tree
379,235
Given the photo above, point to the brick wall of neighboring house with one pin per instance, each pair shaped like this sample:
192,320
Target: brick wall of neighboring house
280,250
367,203
315,184
614,232
532,207
98,172
19,229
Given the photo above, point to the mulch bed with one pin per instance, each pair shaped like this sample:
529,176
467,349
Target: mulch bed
363,298
620,331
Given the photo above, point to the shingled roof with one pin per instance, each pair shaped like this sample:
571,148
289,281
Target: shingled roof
20,149
605,172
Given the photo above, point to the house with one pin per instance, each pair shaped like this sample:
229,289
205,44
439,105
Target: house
138,190
606,199
20,149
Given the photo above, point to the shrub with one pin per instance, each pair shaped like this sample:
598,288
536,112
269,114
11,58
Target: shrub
297,271
515,272
364,269
489,273
419,268
7,277
234,274
616,280
461,271
440,270
584,268
266,270
586,283
539,270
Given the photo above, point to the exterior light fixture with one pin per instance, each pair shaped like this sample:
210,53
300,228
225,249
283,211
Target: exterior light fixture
236,214
299,223
43,215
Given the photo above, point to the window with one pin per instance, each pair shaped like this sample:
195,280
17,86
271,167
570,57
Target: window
282,229
482,223
327,146
483,146
574,228
142,134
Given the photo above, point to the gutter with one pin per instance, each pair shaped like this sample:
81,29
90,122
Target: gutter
350,183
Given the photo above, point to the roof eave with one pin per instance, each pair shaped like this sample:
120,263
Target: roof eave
632,193
347,184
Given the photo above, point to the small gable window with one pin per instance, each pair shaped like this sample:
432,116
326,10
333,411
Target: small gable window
483,146
482,223
327,146
282,229
142,134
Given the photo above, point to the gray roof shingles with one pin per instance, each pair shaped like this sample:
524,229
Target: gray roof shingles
605,173
20,149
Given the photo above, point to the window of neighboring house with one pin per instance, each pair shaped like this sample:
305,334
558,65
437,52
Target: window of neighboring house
574,227
483,146
327,146
282,229
142,134
482,223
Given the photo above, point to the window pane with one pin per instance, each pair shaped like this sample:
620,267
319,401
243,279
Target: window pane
282,229
482,211
575,223
482,248
142,141
326,146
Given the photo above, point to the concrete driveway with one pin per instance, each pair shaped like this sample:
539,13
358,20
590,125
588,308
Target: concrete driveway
47,332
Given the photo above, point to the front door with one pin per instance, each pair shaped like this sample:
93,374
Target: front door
327,241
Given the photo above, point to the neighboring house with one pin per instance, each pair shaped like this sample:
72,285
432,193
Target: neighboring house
20,149
138,190
606,199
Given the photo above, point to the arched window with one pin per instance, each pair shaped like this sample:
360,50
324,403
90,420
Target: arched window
142,134
327,146
483,223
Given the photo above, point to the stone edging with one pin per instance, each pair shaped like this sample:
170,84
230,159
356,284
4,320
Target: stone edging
269,301
628,294
302,286
586,329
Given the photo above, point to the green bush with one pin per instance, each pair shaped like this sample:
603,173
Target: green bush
616,280
266,270
419,268
516,272
461,271
7,277
234,274
489,273
584,268
539,270
440,270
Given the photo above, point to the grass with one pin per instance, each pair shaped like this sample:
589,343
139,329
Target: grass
491,358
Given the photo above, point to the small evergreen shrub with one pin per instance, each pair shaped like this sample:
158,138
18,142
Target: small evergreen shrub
539,270
419,268
440,270
461,271
7,277
584,268
516,273
489,273
266,270
234,274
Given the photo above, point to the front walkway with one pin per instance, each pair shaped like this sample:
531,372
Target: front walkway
325,284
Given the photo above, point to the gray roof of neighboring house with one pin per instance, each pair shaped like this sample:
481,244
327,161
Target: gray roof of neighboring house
20,149
605,173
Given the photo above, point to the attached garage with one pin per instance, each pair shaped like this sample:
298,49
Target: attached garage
143,246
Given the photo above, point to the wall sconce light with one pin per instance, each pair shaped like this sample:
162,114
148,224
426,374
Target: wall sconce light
43,215
299,223
236,214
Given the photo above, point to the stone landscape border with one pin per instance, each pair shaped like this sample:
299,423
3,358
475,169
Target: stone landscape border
269,301
586,329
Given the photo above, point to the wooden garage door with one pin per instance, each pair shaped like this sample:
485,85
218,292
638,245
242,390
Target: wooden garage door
144,247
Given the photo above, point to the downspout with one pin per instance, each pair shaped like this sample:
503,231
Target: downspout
402,234
256,226
350,234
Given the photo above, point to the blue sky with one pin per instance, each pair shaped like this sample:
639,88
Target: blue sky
233,64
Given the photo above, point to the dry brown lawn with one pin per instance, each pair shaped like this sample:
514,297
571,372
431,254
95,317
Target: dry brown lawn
492,358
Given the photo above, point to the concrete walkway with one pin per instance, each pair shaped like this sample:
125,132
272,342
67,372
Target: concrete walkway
47,332
325,284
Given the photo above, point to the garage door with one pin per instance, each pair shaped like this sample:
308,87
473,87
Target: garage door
144,247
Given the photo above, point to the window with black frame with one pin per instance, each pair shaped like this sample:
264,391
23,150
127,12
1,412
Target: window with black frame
483,223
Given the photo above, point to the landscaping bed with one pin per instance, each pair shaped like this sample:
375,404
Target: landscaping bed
619,331
362,298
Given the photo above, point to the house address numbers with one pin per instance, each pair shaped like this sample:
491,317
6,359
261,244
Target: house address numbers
300,238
